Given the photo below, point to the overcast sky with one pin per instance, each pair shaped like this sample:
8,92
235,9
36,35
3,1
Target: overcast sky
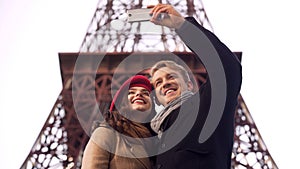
33,32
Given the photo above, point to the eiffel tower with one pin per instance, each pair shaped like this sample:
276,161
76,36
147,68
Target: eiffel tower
87,87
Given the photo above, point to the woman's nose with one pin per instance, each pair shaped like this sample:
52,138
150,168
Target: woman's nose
138,93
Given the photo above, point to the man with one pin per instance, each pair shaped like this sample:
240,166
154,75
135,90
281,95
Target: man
195,129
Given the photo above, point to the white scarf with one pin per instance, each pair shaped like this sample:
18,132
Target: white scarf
157,121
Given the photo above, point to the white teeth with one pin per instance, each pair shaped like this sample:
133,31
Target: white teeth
138,101
169,91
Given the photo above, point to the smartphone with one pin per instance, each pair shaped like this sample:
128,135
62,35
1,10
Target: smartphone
138,15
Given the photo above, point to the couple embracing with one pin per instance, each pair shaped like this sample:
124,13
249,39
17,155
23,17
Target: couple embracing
193,130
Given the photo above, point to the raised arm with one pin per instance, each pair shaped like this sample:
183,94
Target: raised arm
218,59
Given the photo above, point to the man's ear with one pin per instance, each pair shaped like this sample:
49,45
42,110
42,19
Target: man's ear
190,86
154,98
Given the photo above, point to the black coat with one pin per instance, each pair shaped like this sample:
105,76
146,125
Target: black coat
186,122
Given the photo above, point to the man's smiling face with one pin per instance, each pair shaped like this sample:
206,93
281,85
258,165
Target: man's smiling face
169,84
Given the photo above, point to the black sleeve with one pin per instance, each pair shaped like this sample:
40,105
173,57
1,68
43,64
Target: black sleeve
201,40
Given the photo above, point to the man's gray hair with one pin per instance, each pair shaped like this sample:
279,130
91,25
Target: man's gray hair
172,65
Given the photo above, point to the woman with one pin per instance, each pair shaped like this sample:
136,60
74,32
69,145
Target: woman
117,143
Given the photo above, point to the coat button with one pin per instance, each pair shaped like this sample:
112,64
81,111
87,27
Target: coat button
163,145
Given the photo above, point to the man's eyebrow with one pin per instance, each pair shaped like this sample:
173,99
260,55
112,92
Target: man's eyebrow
154,80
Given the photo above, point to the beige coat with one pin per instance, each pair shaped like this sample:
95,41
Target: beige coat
108,149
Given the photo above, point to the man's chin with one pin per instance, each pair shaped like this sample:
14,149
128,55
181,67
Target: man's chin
168,99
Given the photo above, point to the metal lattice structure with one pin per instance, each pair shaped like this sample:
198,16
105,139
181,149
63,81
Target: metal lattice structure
64,135
107,33
249,150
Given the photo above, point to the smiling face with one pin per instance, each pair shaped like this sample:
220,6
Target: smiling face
139,99
169,84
